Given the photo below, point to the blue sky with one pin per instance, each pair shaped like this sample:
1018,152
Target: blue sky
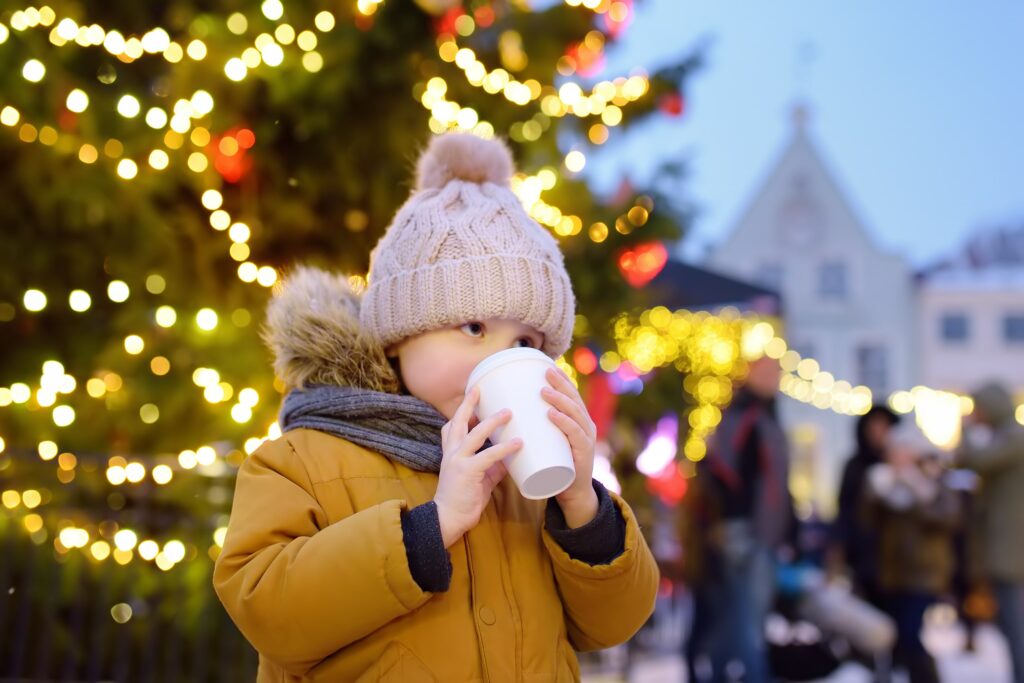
917,107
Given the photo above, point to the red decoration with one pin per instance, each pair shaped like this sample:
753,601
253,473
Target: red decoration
601,403
362,21
446,22
246,138
484,16
672,104
586,61
670,485
584,360
67,119
232,167
642,263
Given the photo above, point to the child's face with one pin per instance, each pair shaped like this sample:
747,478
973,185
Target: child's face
436,365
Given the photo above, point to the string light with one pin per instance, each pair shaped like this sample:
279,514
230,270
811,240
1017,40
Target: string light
118,291
575,161
79,301
34,300
33,71
713,352
128,106
206,319
77,101
368,7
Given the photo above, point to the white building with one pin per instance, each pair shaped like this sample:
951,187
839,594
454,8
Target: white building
972,328
847,303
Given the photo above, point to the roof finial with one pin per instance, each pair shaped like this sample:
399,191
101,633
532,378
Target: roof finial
800,115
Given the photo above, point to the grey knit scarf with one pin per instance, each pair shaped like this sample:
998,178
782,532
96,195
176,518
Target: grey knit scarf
401,427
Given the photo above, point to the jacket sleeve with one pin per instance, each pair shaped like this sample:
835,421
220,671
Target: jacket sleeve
599,541
606,604
1003,450
298,587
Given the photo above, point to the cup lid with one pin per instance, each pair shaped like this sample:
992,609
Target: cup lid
496,360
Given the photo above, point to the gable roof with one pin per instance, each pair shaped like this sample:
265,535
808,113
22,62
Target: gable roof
799,176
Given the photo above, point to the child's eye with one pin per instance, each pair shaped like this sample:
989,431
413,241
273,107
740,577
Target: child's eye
525,343
473,329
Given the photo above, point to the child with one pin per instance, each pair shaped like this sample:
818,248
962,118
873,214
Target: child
915,514
379,539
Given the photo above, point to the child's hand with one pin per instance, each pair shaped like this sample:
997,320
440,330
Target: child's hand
467,478
569,413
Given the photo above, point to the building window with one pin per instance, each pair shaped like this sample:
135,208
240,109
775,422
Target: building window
873,368
955,328
1013,328
770,276
832,281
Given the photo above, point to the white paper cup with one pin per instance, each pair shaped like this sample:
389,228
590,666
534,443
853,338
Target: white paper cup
513,379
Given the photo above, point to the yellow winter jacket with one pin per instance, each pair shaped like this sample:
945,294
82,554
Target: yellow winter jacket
314,573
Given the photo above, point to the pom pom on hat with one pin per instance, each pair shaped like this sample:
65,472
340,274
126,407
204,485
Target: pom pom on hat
466,251
463,156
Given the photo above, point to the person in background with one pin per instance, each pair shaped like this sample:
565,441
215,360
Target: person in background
971,596
747,515
854,544
993,446
914,514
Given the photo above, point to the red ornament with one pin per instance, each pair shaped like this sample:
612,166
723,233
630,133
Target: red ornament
232,167
246,138
601,403
362,21
67,119
584,360
672,104
484,16
642,263
446,22
587,62
670,485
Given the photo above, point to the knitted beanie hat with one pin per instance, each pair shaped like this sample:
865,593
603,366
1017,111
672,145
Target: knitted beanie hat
463,248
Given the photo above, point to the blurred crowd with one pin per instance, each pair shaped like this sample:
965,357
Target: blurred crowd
915,526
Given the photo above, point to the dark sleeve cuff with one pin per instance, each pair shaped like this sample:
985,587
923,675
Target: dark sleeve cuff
600,540
429,561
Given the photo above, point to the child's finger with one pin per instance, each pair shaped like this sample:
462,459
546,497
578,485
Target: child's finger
559,380
579,441
460,420
487,459
495,473
475,439
568,406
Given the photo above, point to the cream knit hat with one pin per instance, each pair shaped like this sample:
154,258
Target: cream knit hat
463,248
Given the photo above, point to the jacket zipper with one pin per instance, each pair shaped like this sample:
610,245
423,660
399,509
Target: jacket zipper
473,607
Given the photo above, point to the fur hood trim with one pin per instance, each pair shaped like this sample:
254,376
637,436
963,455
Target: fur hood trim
313,330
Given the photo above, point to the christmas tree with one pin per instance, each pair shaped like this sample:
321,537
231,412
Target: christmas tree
166,164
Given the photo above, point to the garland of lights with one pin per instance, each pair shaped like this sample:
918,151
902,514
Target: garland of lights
714,350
